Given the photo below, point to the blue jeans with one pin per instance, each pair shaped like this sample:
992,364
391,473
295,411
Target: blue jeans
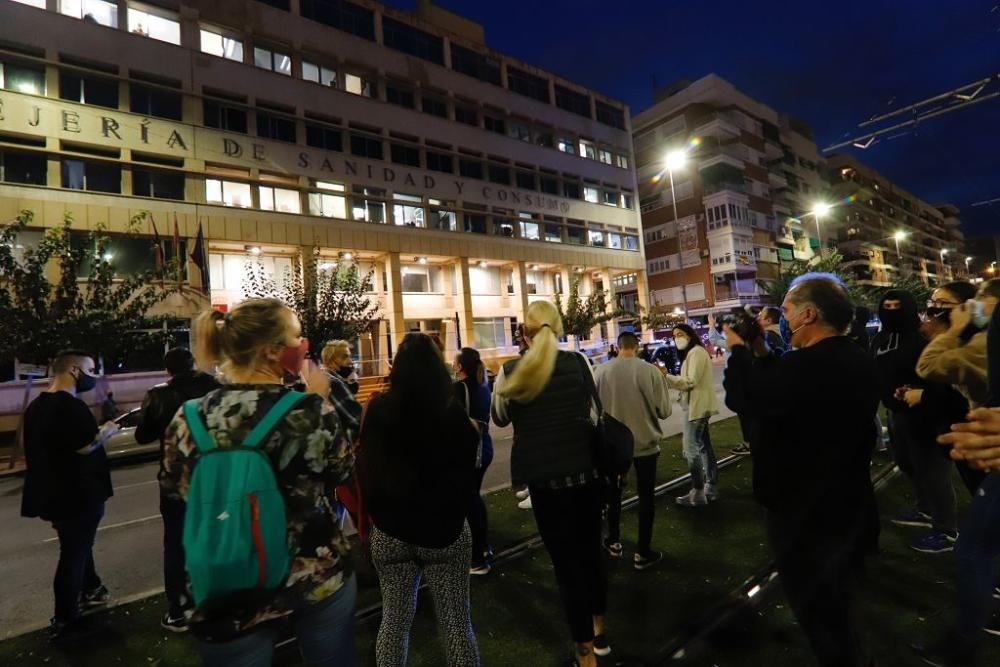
325,632
75,572
975,552
699,453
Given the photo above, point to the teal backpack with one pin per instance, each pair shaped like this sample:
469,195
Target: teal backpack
235,532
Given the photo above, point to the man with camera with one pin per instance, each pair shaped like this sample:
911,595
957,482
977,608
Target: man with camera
811,415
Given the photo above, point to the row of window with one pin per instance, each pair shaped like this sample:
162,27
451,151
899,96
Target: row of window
329,200
164,25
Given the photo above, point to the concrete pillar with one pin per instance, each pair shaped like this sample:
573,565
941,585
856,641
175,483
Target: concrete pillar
642,288
520,302
463,302
508,335
564,274
393,323
612,300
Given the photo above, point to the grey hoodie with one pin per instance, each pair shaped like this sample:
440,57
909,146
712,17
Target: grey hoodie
635,393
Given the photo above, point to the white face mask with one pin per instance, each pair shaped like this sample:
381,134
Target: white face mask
681,343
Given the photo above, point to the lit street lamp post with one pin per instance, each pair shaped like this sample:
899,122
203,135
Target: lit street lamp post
899,236
675,160
820,209
968,260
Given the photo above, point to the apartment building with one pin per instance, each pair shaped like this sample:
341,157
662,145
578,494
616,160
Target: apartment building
886,233
742,197
469,182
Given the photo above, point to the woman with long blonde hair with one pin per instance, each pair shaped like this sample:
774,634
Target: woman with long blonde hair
545,395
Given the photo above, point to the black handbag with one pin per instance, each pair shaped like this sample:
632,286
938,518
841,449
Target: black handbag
613,441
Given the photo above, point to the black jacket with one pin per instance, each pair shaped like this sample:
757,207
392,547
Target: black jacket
164,400
897,347
812,432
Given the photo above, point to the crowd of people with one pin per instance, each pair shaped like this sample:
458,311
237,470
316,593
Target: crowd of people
259,457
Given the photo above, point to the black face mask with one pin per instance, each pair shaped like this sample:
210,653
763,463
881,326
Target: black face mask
345,371
943,314
891,319
85,382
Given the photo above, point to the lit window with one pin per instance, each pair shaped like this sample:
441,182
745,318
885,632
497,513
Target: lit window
631,242
440,218
368,210
615,241
605,156
91,11
272,60
227,193
623,161
567,145
596,238
319,74
357,85
592,195
217,44
327,205
155,26
280,199
22,79
610,198
587,150
529,230
410,214
40,4
626,201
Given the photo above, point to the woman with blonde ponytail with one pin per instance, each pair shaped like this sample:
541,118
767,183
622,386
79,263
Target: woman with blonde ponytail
256,345
545,395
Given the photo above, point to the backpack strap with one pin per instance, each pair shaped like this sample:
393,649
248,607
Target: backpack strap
202,438
267,424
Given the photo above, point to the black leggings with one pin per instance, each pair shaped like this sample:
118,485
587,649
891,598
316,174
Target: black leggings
645,479
478,521
569,521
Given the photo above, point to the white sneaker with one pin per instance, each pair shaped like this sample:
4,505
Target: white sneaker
522,494
692,498
525,504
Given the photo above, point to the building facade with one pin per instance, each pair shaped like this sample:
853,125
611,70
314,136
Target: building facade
740,198
470,183
886,233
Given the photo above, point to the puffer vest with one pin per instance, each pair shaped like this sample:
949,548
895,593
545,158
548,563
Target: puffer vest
552,434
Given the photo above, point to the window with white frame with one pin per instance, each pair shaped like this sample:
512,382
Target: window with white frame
159,25
228,193
407,210
319,74
615,241
442,218
610,198
567,145
328,205
282,200
626,201
272,60
215,43
593,195
622,161
587,150
229,271
91,11
596,237
631,242
605,156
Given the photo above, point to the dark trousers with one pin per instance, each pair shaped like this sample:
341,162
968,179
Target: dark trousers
478,520
569,522
645,479
976,551
927,465
75,572
818,574
972,478
174,573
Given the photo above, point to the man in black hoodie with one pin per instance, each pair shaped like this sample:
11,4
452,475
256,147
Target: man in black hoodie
896,349
158,409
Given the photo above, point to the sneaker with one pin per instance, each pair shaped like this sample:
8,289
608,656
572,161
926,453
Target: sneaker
98,597
913,519
525,504
993,627
943,656
601,646
175,624
522,494
693,498
614,549
712,491
742,449
935,543
996,592
641,562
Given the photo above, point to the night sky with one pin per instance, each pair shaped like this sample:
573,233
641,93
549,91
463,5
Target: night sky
831,64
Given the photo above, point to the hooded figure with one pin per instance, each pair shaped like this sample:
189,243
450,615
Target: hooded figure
897,346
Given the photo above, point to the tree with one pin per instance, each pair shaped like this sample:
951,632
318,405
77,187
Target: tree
106,315
583,314
331,303
910,283
659,318
831,263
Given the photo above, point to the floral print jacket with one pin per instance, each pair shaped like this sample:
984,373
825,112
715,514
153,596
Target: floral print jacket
311,454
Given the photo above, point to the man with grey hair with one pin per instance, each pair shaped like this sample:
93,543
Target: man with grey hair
812,413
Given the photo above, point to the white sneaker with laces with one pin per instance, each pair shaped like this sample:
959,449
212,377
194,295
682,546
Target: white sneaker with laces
525,504
693,498
522,494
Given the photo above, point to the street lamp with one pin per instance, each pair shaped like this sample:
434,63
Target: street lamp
676,159
968,260
899,236
820,209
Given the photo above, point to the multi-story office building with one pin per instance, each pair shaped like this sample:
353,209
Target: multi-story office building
885,233
741,198
471,183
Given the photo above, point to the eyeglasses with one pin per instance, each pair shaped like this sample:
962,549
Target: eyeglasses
937,303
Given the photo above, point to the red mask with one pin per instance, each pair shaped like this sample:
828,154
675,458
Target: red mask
292,358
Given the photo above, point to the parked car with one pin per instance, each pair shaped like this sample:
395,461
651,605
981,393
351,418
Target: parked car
122,445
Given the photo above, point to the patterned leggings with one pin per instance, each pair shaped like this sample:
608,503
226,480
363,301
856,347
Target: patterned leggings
400,567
